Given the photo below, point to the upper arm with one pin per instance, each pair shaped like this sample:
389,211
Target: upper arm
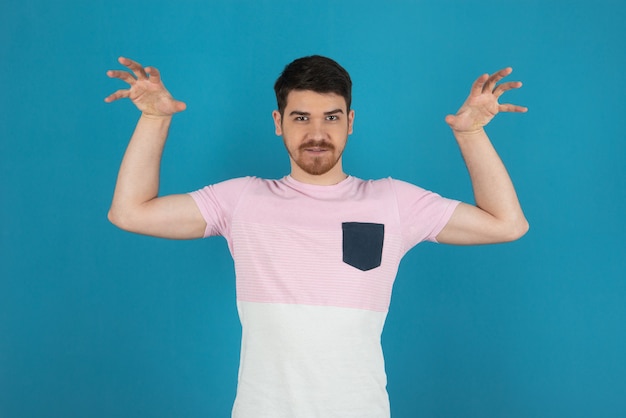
174,216
470,225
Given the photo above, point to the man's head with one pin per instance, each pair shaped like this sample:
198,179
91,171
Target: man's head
314,118
314,73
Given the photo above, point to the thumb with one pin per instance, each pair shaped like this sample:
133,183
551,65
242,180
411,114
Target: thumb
180,106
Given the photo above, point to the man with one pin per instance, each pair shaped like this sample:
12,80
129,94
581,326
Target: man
316,252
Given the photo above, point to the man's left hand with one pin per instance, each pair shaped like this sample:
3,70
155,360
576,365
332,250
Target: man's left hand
482,104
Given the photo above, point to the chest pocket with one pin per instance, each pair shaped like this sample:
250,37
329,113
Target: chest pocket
363,244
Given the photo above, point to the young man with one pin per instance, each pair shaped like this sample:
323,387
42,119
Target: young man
316,252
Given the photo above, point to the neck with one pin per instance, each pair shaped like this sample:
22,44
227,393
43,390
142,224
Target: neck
332,177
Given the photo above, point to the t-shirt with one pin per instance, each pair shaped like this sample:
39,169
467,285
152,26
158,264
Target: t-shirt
314,267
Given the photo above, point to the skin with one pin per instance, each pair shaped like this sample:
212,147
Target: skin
497,215
315,128
136,206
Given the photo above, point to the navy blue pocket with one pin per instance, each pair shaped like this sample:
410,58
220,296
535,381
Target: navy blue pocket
363,244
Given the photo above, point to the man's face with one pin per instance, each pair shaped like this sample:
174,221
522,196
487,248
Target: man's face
315,129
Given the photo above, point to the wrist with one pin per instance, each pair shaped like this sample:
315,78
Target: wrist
469,135
154,124
155,117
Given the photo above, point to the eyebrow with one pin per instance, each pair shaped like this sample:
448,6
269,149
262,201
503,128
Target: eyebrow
301,113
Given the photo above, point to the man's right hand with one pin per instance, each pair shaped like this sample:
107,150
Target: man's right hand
146,91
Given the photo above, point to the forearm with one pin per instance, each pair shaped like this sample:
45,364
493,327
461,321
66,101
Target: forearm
138,177
493,189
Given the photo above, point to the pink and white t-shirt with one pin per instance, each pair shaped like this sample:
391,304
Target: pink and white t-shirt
315,266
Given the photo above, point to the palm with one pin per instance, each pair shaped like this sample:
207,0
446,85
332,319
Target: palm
476,112
152,97
482,104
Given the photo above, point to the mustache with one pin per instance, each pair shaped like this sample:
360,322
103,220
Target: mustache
317,144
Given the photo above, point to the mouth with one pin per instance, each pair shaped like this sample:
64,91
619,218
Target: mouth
316,148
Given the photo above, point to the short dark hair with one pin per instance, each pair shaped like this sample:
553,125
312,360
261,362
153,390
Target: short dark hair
315,73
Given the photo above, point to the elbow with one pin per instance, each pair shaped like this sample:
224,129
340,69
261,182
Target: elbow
114,217
517,229
117,218
129,218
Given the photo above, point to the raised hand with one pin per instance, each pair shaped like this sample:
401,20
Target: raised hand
482,104
146,91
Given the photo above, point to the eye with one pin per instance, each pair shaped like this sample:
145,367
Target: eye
301,118
332,117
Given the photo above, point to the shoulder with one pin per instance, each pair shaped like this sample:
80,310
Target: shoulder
392,185
405,186
233,184
413,196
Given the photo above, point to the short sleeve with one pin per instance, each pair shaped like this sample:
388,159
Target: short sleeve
218,202
423,214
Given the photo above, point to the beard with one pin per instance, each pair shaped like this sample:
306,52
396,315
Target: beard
312,164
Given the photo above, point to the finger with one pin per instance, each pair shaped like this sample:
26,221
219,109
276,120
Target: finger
508,107
155,75
495,77
134,66
122,75
500,89
120,94
180,106
478,86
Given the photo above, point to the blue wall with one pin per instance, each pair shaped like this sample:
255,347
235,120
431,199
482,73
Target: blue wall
97,322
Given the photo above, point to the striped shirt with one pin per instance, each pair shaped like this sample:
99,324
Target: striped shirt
315,266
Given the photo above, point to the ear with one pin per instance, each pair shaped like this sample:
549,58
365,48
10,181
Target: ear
277,122
350,121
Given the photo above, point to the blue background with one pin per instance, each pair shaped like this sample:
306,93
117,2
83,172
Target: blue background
96,322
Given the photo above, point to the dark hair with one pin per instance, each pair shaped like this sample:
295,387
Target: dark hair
315,73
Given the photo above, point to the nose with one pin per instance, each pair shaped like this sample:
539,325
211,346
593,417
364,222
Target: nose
316,129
